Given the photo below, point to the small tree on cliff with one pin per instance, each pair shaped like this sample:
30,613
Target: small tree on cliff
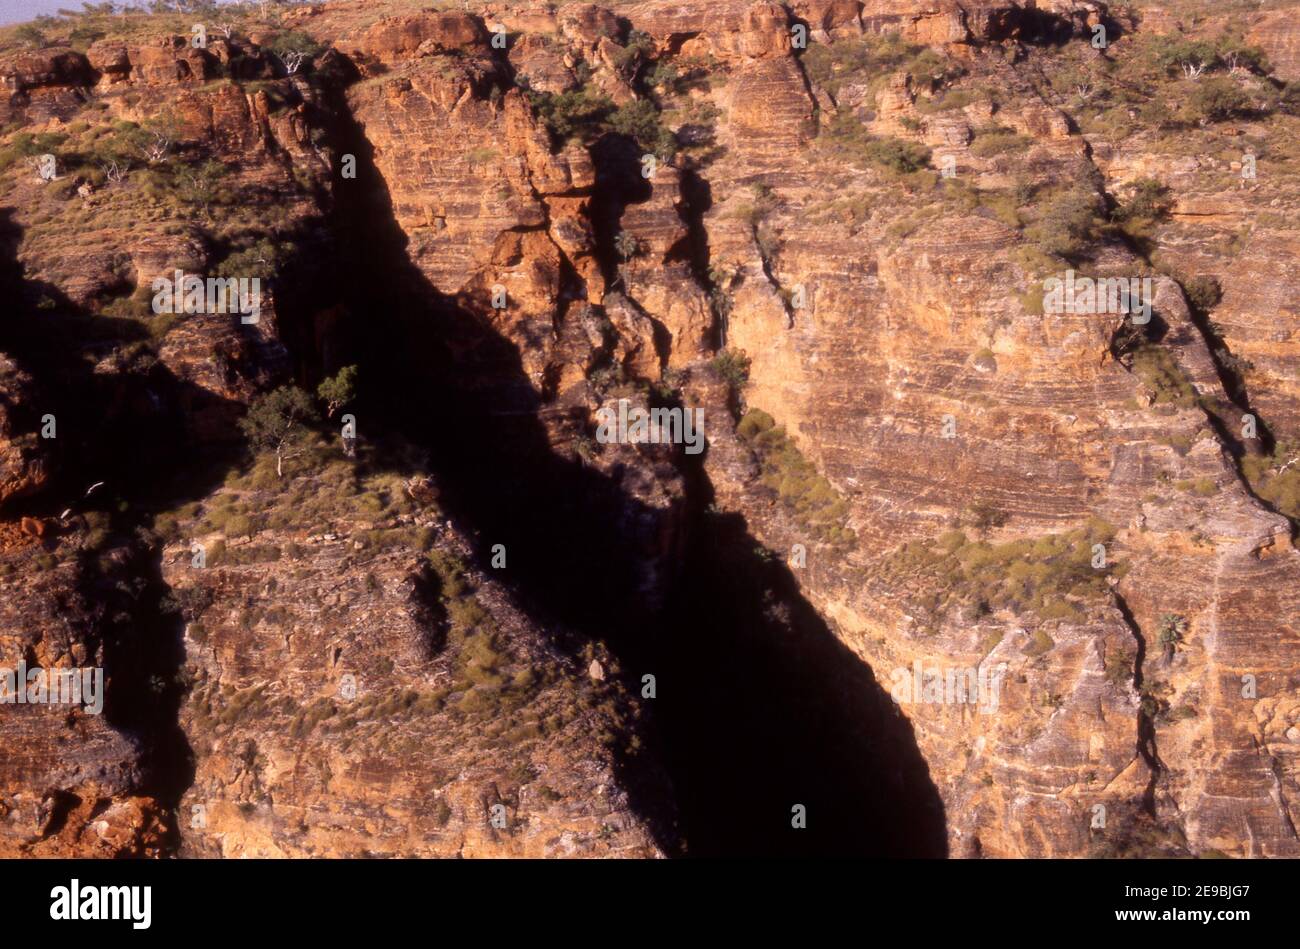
338,390
1172,629
278,422
626,245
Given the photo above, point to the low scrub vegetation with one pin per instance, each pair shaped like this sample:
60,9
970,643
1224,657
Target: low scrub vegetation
810,497
1164,378
874,56
1276,477
994,140
1068,221
848,140
585,114
1050,577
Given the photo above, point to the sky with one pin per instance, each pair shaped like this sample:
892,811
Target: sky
18,11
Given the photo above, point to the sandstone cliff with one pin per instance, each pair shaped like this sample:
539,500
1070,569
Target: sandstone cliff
478,630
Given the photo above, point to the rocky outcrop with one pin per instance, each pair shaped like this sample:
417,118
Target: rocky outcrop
318,731
959,478
24,466
1276,33
44,84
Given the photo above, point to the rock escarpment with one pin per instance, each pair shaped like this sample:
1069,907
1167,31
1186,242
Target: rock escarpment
835,244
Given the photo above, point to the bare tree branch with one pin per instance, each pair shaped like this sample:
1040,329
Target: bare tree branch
115,173
158,150
293,61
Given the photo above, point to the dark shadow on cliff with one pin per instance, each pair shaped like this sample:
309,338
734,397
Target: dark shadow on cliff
125,427
759,708
779,712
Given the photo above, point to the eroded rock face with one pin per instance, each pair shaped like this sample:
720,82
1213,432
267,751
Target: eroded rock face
351,680
1276,33
24,466
903,333
47,67
935,22
69,786
420,34
173,61
433,784
48,83
320,732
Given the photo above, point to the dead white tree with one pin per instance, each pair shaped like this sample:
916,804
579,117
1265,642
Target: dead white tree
1192,70
45,167
114,172
1083,90
268,7
293,60
1235,66
227,30
157,150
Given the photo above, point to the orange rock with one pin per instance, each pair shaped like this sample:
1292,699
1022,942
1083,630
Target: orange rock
405,37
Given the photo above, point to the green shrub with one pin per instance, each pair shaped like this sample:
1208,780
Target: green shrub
629,57
480,659
983,516
812,499
1039,644
245,705
996,140
1216,99
339,390
1147,199
578,113
1175,54
1203,487
1163,376
251,554
640,119
277,422
82,36
949,100
663,76
1050,577
897,155
293,41
202,185
847,138
1068,223
29,35
733,366
308,718
1203,293
1119,667
931,69
1276,478
872,57
441,812
755,423
584,114
264,259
